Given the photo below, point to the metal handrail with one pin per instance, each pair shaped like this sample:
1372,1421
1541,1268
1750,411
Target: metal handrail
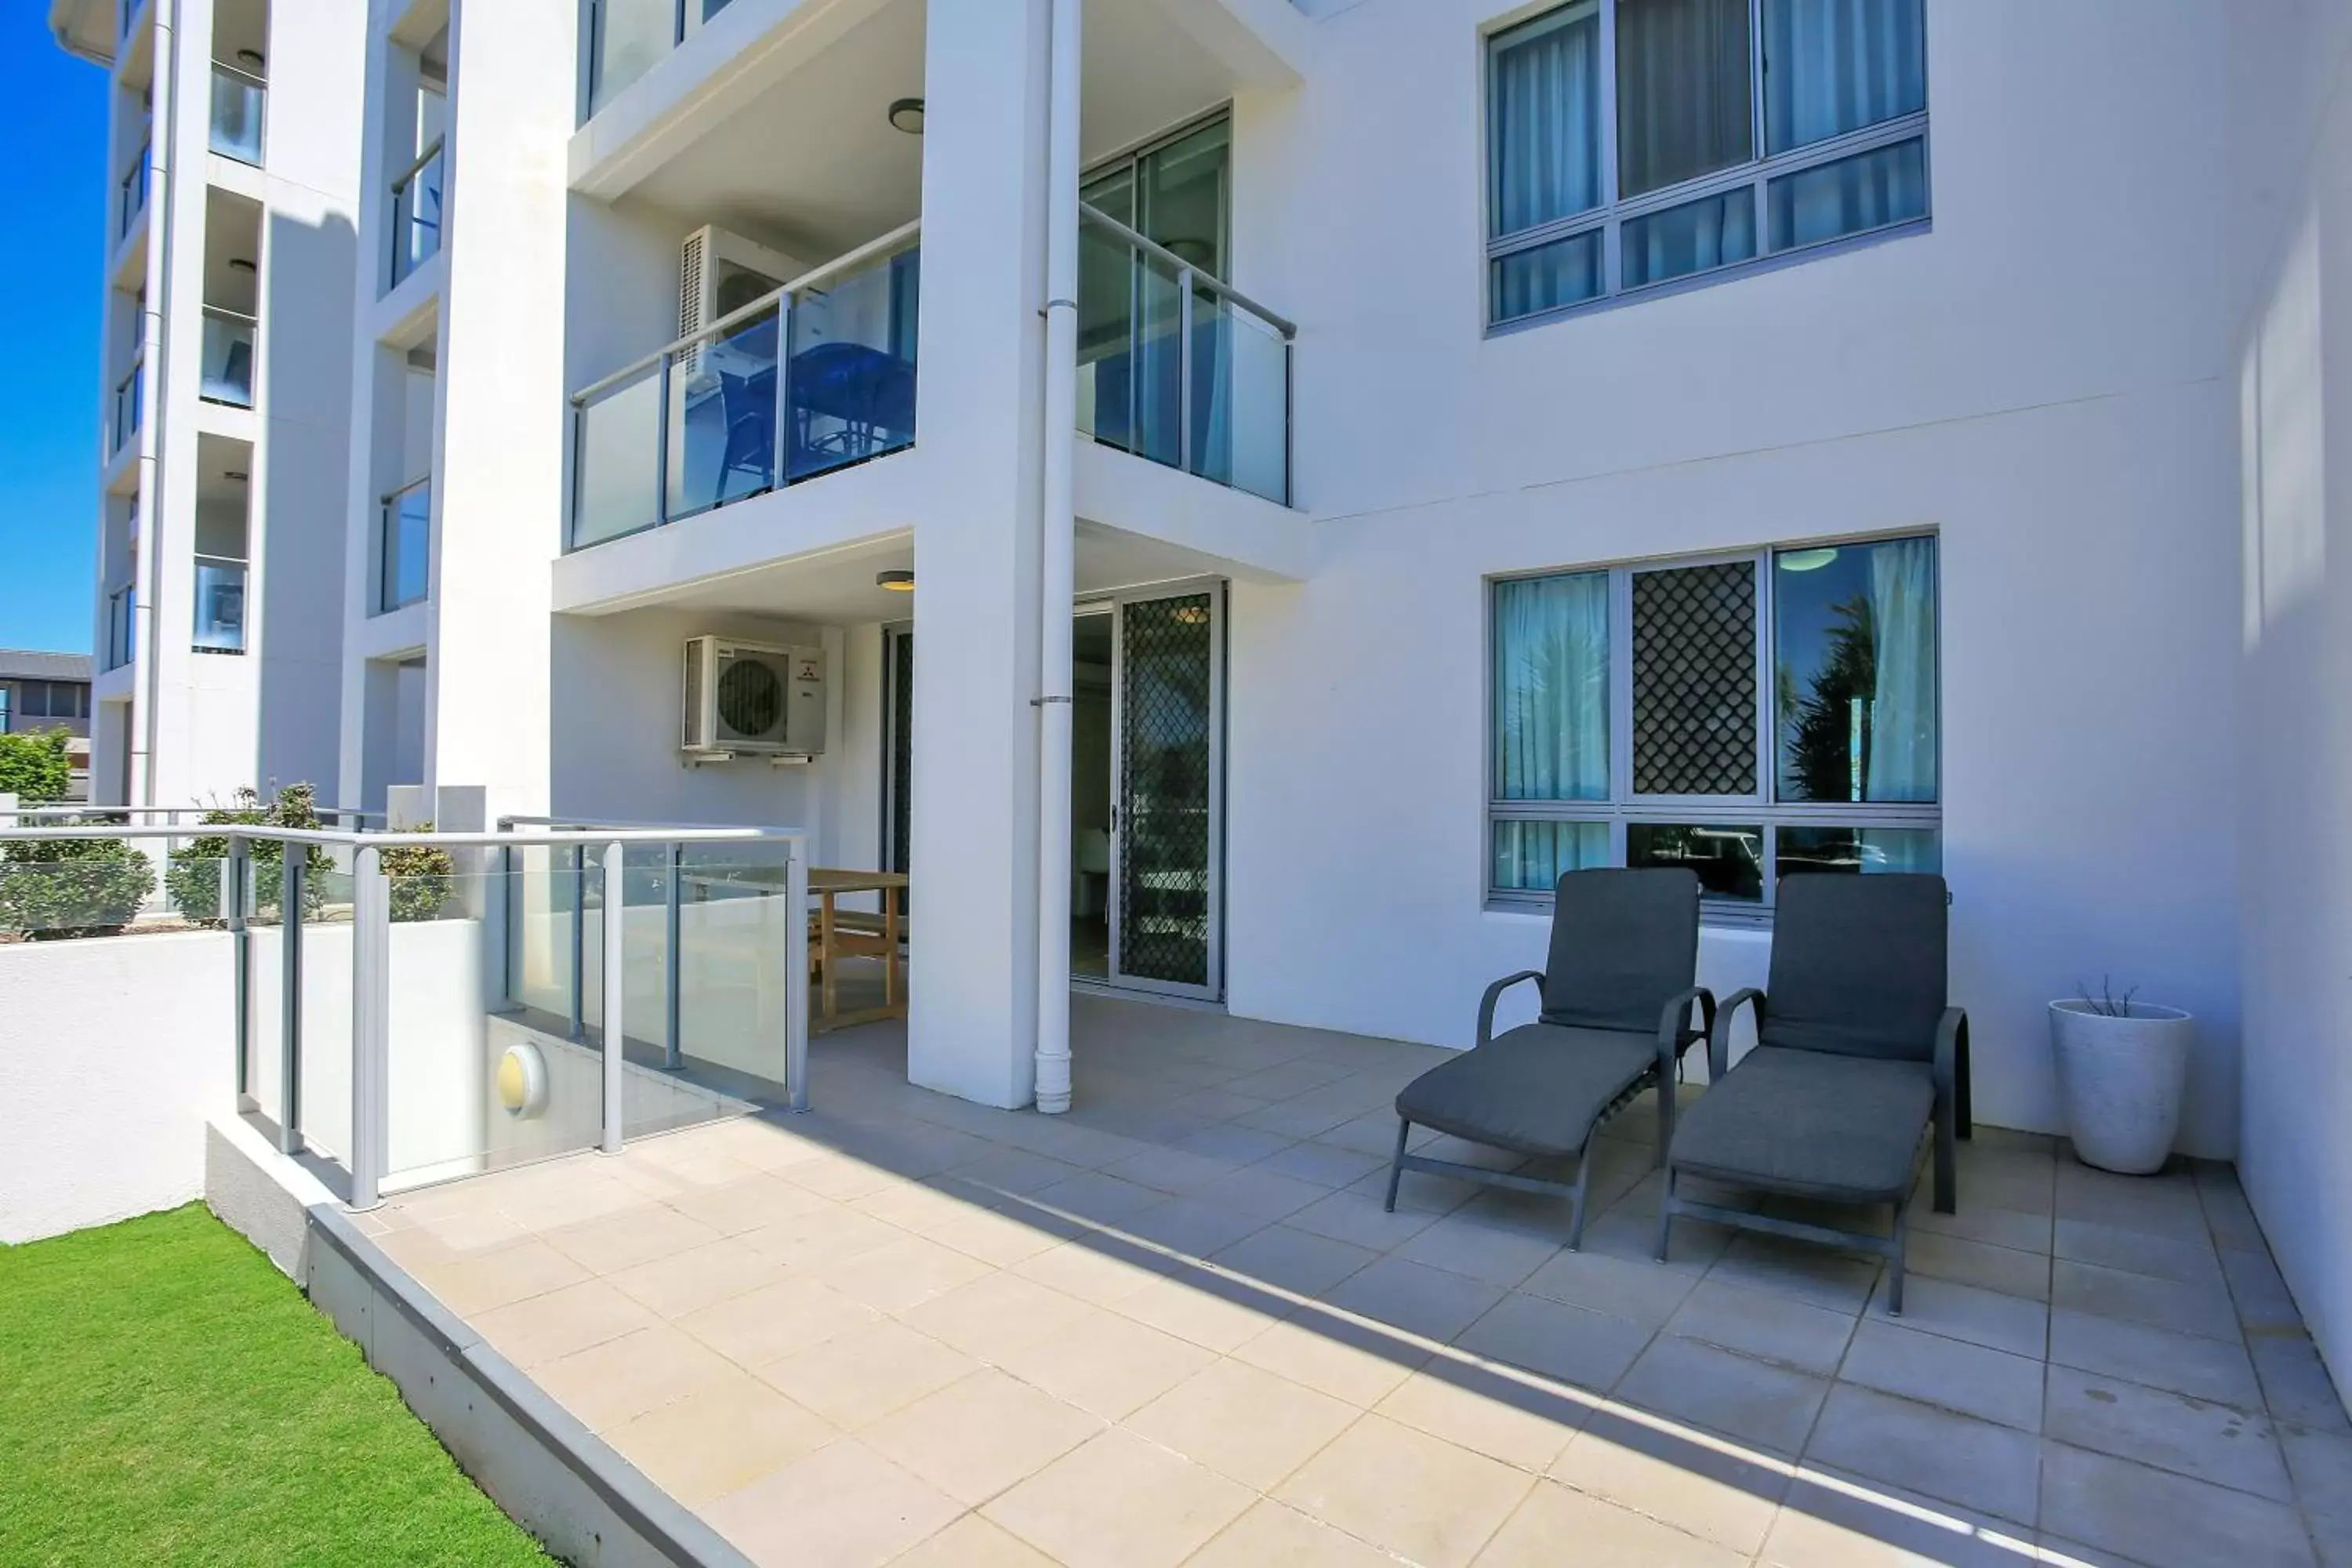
249,77
400,180
224,313
724,324
1226,292
87,809
393,495
339,838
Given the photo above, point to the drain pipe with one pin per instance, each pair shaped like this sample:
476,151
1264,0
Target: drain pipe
1056,574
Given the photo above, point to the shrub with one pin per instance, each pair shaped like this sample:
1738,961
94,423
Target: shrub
34,767
421,877
193,878
72,886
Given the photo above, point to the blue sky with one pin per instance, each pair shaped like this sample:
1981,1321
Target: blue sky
54,191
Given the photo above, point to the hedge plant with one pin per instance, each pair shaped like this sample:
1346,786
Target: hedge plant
72,886
421,877
194,880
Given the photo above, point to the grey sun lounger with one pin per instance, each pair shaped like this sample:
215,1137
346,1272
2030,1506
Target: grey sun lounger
1615,1019
1859,1066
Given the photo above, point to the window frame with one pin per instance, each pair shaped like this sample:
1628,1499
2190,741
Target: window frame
1760,808
1612,213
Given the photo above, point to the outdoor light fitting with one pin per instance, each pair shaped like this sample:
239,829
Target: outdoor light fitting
906,115
895,582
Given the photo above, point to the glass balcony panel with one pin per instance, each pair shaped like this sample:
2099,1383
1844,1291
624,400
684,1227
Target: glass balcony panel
238,100
722,417
402,569
73,887
1105,337
626,38
416,215
121,634
849,389
736,947
1241,399
325,1081
220,604
618,486
228,359
132,200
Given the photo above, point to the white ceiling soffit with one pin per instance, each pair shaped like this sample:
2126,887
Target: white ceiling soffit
1263,43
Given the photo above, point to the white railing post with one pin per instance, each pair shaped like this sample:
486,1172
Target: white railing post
615,1036
236,902
290,996
796,996
673,967
371,1025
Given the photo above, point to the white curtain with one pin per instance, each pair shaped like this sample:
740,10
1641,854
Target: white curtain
1902,704
1551,687
1834,66
1547,121
1533,855
1683,85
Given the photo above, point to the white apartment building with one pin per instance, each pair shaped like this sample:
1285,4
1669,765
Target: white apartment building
1443,444
234,146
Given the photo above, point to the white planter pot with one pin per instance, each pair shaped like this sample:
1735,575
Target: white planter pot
2120,1081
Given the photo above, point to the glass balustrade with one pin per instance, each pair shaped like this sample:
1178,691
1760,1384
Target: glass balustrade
416,214
784,390
226,366
239,99
405,546
132,198
121,632
625,38
220,604
128,395
1175,367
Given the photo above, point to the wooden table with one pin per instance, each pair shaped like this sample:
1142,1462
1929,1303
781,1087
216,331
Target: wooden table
855,939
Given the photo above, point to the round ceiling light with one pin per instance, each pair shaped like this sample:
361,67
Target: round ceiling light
1806,560
906,115
895,582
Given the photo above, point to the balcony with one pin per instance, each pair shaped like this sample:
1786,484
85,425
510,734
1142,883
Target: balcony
239,101
405,532
128,398
625,38
416,212
220,604
227,368
131,198
121,631
1178,367
814,377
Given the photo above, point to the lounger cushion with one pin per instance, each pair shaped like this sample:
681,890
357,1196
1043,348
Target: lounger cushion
1536,1090
1812,1123
1623,943
1857,965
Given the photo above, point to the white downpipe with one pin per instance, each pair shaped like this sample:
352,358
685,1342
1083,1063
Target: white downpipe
1057,584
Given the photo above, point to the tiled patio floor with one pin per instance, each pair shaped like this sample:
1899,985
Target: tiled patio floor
1175,1327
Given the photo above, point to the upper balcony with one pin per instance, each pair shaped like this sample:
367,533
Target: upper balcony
239,107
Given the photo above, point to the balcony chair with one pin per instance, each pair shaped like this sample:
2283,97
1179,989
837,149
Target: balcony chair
1616,1000
1859,1066
751,435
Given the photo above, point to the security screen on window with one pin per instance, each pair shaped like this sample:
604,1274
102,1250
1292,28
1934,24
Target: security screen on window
1633,143
1747,717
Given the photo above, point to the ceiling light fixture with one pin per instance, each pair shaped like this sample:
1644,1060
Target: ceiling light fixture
906,115
239,475
895,582
1806,560
240,264
249,57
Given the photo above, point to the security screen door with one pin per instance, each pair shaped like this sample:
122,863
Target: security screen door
1168,787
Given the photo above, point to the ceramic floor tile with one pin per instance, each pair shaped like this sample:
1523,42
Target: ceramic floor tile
1764,1325
2295,1385
2165,1521
624,1378
1243,1423
1269,1532
979,1435
1107,1364
1557,1341
1118,1501
2201,1368
1411,1494
1717,1492
900,1275
700,1276
1970,1462
1832,1520
1462,1244
972,1542
542,1328
1988,1317
746,1205
1938,1255
1643,1292
720,1437
844,1506
994,1315
1295,1260
771,1322
2138,1251
1989,1384
2166,1303
1353,1217
1752,1402
1191,1226
1605,1536
862,1375
1488,1411
471,1286
2212,1442
1356,1362
1837,1280
1206,1310
1415,1299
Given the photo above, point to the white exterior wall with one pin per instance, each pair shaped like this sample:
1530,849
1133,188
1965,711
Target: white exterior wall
201,725
2291,386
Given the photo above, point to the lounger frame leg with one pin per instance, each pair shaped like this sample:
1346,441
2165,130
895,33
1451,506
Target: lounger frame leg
1583,1185
1396,1165
1895,1260
1666,1216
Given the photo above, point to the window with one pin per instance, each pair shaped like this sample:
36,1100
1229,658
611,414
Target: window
1751,717
51,700
1634,143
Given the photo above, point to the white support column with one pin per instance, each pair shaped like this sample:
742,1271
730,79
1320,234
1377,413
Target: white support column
974,998
371,1025
615,1033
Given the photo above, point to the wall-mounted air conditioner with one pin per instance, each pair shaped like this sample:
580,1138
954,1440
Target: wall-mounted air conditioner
718,272
743,700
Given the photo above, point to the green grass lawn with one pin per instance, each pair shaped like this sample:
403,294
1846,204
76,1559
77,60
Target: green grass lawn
167,1395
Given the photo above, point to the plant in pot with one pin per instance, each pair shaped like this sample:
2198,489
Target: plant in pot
2123,1066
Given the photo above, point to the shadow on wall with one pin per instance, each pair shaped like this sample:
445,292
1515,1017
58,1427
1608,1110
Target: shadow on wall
298,520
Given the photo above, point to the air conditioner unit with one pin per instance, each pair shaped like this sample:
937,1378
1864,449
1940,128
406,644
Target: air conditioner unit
742,699
718,272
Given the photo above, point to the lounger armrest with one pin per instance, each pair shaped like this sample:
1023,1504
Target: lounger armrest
1719,1034
1675,1034
1494,994
1951,1053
